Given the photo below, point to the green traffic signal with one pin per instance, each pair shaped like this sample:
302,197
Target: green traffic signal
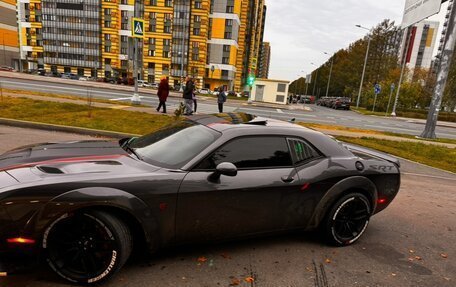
251,80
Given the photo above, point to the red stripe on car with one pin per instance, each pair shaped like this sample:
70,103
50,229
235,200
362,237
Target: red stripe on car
60,160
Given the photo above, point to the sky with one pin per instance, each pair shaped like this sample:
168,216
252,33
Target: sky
300,31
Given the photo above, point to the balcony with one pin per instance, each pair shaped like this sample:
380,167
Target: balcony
70,62
80,39
75,26
80,51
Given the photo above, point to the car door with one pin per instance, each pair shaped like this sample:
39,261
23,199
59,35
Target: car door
245,204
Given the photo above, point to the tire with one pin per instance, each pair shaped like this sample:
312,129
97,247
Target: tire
347,219
87,247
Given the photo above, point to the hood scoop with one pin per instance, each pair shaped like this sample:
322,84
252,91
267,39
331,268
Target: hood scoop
49,169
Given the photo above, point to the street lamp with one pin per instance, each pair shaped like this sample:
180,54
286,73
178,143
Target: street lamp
330,73
365,64
316,79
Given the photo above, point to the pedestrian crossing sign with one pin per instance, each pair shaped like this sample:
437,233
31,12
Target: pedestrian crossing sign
138,28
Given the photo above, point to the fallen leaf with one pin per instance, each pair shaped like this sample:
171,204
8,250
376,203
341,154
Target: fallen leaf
309,269
446,278
412,251
249,280
202,259
225,255
328,260
235,282
444,255
418,258
393,274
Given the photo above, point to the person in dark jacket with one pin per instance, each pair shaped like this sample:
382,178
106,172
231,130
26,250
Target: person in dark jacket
188,96
163,93
221,99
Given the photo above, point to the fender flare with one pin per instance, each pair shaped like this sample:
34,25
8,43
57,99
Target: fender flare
336,191
102,197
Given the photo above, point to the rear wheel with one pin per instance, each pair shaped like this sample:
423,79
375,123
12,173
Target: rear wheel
347,219
87,247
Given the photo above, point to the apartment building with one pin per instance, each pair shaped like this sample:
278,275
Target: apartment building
265,59
214,41
9,37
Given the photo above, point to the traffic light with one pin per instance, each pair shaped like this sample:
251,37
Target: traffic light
251,80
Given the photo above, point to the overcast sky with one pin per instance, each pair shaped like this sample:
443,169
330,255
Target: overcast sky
301,30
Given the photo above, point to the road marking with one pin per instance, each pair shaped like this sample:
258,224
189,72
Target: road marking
123,99
279,111
425,175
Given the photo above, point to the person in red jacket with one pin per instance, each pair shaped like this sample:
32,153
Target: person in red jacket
163,93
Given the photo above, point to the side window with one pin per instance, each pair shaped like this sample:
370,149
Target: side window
251,152
302,151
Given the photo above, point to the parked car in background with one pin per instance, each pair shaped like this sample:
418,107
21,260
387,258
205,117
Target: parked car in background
341,103
7,69
70,76
205,91
143,84
154,85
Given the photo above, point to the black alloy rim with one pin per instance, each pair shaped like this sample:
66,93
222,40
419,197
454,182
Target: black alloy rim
351,219
80,247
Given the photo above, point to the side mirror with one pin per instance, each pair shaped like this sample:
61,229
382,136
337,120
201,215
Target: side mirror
226,168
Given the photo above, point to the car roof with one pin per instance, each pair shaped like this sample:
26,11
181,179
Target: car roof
230,121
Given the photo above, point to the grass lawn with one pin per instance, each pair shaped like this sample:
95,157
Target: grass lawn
432,155
68,114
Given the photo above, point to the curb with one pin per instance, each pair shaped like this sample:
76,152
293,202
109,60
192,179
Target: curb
66,129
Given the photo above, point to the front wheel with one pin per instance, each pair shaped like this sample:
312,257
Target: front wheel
347,219
87,247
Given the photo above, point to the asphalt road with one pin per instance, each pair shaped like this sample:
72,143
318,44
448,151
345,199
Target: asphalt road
409,244
318,114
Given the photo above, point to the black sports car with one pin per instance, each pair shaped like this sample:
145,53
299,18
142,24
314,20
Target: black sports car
83,205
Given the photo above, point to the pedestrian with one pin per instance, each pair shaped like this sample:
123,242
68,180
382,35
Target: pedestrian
163,93
195,102
221,99
188,96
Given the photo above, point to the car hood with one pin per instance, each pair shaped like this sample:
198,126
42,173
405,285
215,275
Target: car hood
32,154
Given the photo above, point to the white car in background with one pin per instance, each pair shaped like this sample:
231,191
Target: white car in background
205,92
143,84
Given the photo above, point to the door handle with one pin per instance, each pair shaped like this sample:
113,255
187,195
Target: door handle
287,179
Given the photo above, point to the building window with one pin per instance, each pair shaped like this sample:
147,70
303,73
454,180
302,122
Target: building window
151,41
196,31
123,51
166,42
107,49
107,61
153,3
229,22
107,37
225,73
124,39
229,9
107,11
197,19
165,69
151,78
151,53
165,54
281,88
168,3
107,24
228,35
225,60
198,4
280,98
226,48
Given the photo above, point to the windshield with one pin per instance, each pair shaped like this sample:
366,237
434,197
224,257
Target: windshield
175,145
